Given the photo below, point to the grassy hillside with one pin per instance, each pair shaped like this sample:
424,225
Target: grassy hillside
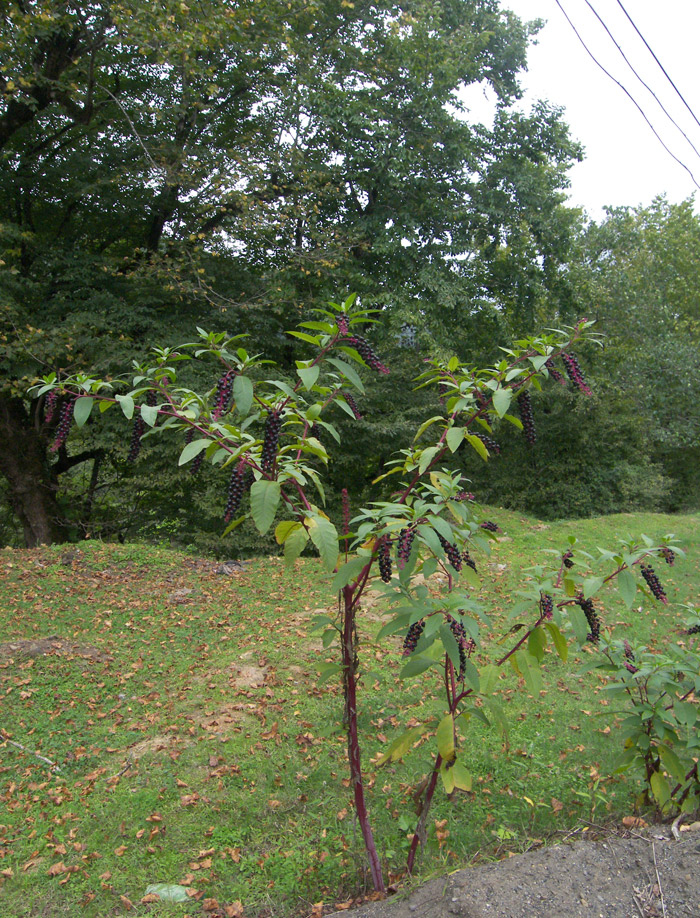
195,744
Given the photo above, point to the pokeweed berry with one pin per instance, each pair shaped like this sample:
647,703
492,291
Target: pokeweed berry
412,636
224,391
465,644
588,609
268,455
490,526
546,606
573,371
342,324
352,404
668,556
452,552
137,431
236,488
385,560
64,421
567,559
653,582
468,560
465,495
50,405
489,443
694,629
525,411
629,657
364,349
405,543
554,373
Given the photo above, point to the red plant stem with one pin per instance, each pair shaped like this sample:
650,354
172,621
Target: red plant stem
354,757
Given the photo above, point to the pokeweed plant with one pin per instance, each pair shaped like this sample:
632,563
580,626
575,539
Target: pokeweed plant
268,431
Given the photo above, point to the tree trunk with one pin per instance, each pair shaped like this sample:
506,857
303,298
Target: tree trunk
32,485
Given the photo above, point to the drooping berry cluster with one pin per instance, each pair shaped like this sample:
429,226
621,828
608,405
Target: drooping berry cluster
346,513
468,560
525,412
224,391
50,405
139,428
385,560
268,455
546,605
489,443
588,609
64,421
490,526
364,349
465,495
352,405
573,371
653,582
694,629
463,644
629,657
342,324
554,373
567,559
403,551
668,556
452,552
236,489
412,637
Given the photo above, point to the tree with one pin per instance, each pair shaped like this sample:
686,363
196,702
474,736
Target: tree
165,161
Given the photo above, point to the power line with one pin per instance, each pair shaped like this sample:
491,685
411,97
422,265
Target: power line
663,69
627,93
645,85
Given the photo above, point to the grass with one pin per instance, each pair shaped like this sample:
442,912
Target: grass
197,745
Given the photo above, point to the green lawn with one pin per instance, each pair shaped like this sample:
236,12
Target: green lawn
197,745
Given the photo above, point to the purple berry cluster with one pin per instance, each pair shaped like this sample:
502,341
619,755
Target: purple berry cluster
694,629
236,488
588,609
384,558
224,392
273,425
412,637
468,560
490,526
567,559
489,443
629,657
364,349
403,551
64,421
554,373
573,371
464,644
668,556
50,405
452,552
342,324
353,405
139,428
465,495
546,606
653,582
525,412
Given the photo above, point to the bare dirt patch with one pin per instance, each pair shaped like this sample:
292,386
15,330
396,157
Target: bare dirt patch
647,874
40,647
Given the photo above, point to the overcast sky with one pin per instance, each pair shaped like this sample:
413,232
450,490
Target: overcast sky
625,163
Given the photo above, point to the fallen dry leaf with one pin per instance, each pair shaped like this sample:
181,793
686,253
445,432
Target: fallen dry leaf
633,822
210,905
234,910
120,850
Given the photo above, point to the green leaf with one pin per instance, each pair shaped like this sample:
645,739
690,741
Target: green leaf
471,674
429,536
349,372
591,586
233,525
415,666
426,424
284,529
536,643
672,763
82,409
448,779
294,545
461,777
579,623
449,642
660,789
501,401
310,339
489,678
445,738
192,449
538,362
243,394
529,671
686,713
309,375
401,745
559,641
627,585
348,572
149,413
427,457
454,438
324,535
264,500
476,443
327,670
127,405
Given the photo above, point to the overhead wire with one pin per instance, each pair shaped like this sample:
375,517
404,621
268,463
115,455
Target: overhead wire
661,66
644,84
628,94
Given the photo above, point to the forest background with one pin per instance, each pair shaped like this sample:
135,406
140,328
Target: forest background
234,165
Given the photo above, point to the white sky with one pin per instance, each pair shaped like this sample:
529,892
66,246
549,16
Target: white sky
625,164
